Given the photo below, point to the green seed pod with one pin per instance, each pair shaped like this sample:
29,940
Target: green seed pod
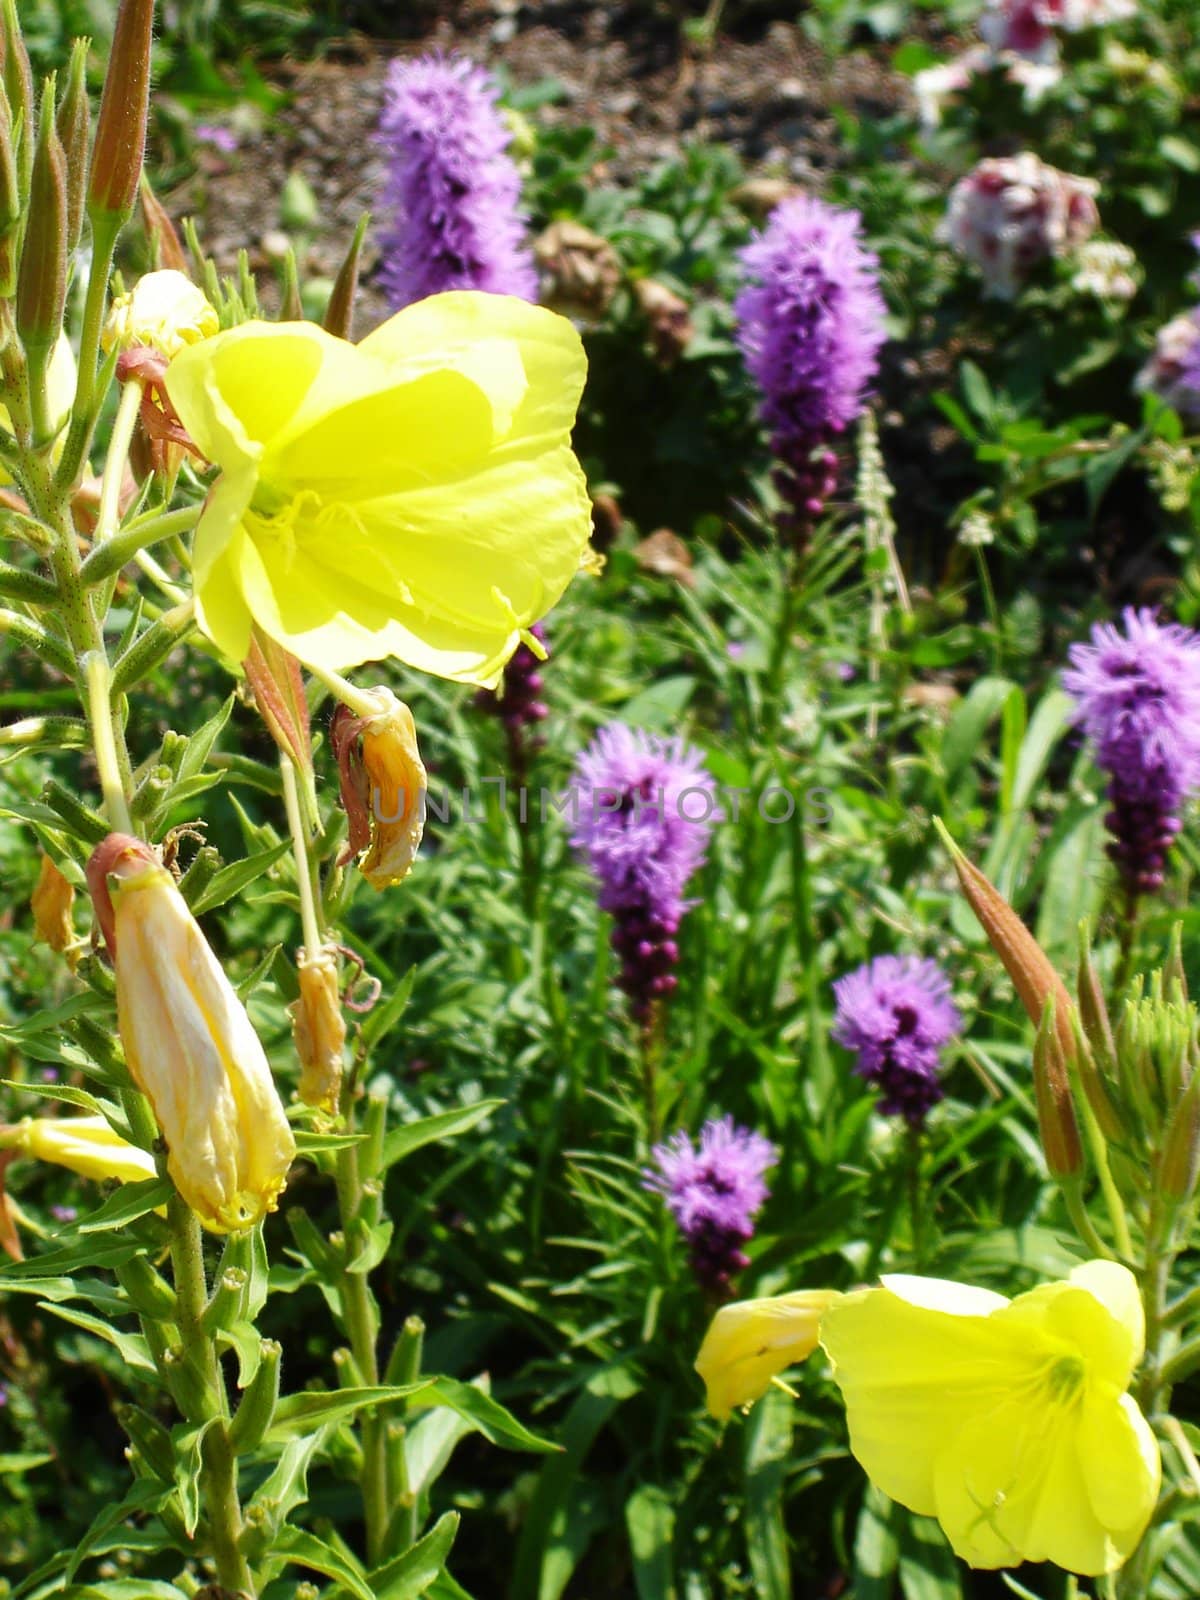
149,1293
42,277
74,128
228,1300
150,1439
249,1426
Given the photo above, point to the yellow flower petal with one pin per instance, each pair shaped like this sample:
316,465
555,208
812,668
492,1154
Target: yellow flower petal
750,1341
86,1145
1121,1466
413,496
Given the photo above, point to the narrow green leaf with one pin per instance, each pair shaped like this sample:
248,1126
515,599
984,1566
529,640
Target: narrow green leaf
411,1574
767,1449
298,1413
231,880
131,1346
401,1142
650,1520
304,1549
486,1416
126,1204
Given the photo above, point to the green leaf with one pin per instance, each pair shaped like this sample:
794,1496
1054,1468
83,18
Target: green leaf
384,1018
928,1569
768,1446
126,1204
19,1462
67,1094
486,1416
297,1413
411,1574
231,880
876,1547
131,1346
55,1263
146,1495
189,1463
303,1549
122,1589
963,738
402,1142
284,1490
199,746
650,1520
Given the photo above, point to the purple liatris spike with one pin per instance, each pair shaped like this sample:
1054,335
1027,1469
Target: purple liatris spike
644,809
1137,695
452,189
518,703
714,1194
810,326
896,1014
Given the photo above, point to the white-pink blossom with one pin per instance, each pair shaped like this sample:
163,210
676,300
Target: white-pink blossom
1011,212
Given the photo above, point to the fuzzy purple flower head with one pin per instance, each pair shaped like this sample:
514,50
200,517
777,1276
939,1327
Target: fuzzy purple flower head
896,1014
644,809
810,326
714,1194
1137,695
452,189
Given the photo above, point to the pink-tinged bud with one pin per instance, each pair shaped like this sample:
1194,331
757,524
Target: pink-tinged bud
274,675
1179,1164
18,87
1096,1050
74,129
42,277
339,313
189,1044
120,146
166,251
1055,1107
1026,963
319,1029
52,902
382,786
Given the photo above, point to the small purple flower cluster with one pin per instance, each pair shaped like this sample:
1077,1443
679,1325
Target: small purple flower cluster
810,327
518,704
646,806
1173,371
896,1014
452,188
1137,695
714,1194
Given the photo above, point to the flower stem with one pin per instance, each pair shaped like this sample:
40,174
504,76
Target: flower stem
219,1464
104,738
115,461
304,883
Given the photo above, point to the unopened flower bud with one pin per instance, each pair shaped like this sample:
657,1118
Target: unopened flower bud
189,1043
319,1029
11,209
74,127
42,276
164,311
382,787
166,251
120,146
18,88
52,902
257,1409
1055,1107
1179,1165
86,1145
1026,963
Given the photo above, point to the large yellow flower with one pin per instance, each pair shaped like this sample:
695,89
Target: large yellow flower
414,495
750,1342
87,1145
1008,1421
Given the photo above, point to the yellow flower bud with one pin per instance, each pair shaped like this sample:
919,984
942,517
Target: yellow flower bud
163,310
86,1145
52,901
751,1341
189,1043
383,787
319,1029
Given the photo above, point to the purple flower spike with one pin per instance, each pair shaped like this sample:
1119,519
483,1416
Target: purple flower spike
714,1194
895,1013
810,326
452,188
1138,697
644,809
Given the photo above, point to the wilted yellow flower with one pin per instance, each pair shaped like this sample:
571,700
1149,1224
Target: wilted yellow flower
1008,1421
750,1341
164,311
60,392
86,1145
189,1043
319,1029
52,901
383,786
411,496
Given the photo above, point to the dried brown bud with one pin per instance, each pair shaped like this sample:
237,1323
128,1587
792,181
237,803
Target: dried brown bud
669,319
606,522
319,1029
581,271
758,197
664,552
52,903
1055,1107
339,313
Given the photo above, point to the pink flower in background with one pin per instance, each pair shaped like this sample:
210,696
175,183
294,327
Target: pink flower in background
1011,212
1173,371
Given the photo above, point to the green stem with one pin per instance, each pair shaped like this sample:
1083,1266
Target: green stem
993,611
104,239
219,1469
115,462
104,738
123,547
304,885
361,1319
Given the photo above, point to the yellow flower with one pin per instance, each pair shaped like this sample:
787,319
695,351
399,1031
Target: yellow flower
60,392
189,1044
750,1341
86,1145
411,496
164,310
383,786
1008,1421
